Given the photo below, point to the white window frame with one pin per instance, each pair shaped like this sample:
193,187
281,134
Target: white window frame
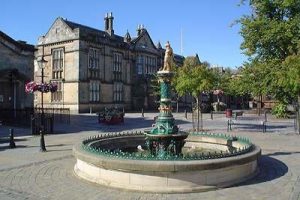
58,63
58,95
94,91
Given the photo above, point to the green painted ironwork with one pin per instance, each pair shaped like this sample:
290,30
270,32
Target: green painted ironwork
87,146
164,139
165,123
165,90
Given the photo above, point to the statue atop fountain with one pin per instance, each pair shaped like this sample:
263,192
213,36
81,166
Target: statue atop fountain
164,139
168,59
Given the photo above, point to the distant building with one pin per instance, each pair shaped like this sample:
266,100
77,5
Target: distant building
16,68
96,69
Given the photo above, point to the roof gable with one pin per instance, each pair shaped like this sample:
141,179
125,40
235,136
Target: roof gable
59,31
144,42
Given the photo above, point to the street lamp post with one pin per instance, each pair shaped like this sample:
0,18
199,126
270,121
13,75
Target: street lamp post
42,63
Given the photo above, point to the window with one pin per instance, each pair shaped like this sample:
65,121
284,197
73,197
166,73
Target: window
150,65
139,64
117,67
146,65
94,62
94,91
57,63
118,91
57,96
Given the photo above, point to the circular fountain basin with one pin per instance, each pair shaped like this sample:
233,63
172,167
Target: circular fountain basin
99,162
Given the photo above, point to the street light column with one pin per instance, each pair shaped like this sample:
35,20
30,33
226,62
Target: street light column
42,64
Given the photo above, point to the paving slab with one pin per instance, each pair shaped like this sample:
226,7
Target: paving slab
26,173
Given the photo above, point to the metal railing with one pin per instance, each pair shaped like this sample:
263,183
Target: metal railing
60,115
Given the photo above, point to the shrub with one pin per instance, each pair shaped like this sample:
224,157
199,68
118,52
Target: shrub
280,110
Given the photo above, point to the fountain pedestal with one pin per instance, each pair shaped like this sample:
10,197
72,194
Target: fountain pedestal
164,139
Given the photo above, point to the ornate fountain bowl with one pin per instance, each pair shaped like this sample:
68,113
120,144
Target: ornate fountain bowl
104,160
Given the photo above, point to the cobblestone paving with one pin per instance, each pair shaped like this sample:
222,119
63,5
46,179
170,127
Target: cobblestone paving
26,173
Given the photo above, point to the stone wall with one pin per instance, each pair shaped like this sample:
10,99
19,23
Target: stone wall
16,68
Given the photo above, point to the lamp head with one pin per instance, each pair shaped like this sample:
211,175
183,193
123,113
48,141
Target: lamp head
42,62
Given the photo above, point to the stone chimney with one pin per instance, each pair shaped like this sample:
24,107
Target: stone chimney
108,23
140,29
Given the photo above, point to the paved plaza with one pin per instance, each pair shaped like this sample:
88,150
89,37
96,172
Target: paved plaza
26,173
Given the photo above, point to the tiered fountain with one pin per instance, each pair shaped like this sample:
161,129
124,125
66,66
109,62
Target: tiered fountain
165,139
164,159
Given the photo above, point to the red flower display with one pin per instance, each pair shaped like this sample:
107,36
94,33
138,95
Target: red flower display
41,87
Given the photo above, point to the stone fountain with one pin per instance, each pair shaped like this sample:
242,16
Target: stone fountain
164,159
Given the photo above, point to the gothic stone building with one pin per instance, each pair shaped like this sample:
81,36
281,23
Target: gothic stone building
16,68
96,69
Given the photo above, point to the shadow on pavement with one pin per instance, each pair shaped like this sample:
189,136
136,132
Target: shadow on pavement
282,153
6,140
6,147
270,169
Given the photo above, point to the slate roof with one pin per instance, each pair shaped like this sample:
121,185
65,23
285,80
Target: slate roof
90,33
19,44
94,35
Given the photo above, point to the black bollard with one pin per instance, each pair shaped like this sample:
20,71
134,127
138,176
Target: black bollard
298,120
296,125
42,140
142,112
227,125
264,127
11,138
32,125
185,113
265,115
211,115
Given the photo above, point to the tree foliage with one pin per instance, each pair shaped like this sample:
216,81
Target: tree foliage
193,78
271,40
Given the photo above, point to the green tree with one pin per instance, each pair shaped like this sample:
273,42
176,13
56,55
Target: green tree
271,40
194,78
231,83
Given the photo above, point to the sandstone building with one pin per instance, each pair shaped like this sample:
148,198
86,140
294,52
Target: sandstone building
96,69
16,68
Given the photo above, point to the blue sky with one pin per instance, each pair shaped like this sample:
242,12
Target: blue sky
205,24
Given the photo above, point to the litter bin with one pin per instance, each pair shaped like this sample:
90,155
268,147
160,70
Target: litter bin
228,113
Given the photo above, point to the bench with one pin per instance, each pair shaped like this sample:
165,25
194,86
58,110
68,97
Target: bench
231,123
235,114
